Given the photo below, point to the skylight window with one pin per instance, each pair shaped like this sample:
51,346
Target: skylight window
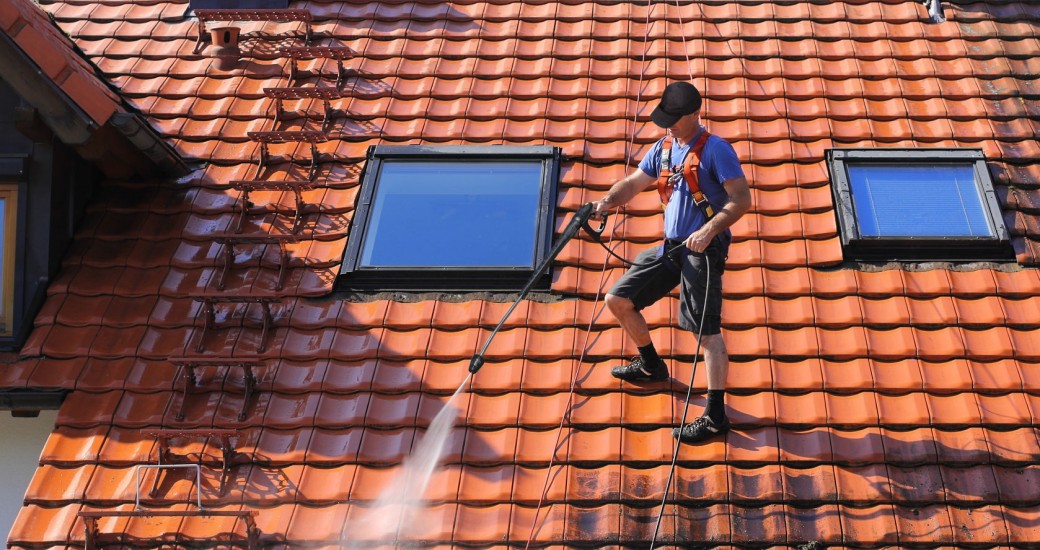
451,218
912,204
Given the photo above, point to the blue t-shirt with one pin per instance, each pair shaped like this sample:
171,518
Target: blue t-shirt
719,163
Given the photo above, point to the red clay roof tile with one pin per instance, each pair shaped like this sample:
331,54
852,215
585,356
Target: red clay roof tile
962,446
946,377
982,524
998,376
863,484
890,344
1009,410
897,376
1015,484
924,523
959,409
814,524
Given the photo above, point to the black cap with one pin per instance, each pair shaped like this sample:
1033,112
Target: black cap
679,99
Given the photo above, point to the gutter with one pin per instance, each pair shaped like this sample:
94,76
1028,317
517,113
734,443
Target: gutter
144,138
30,402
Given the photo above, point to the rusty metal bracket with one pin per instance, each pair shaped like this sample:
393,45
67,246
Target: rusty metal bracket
167,457
325,94
191,381
311,137
297,53
210,316
248,186
93,535
229,241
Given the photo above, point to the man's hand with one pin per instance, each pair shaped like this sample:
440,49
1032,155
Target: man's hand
700,239
601,209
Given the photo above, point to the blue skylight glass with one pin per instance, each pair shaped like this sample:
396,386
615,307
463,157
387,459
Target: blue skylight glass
470,213
917,200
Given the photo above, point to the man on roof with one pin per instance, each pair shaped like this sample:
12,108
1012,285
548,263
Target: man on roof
704,191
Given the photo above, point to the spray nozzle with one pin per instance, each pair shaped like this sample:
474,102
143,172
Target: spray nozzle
476,363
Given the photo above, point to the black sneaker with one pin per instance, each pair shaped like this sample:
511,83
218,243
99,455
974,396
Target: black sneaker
701,429
636,371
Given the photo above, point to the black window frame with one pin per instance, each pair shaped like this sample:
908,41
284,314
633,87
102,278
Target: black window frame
916,248
450,278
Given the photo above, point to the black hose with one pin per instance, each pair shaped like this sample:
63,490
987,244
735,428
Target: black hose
580,219
686,408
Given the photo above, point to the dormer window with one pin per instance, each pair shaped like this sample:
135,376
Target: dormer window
916,204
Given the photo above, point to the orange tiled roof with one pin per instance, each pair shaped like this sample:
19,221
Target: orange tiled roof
871,407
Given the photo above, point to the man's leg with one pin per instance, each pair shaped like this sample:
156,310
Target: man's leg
631,320
642,285
714,421
716,360
648,367
700,311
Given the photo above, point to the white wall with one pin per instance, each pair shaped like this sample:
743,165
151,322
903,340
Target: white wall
21,440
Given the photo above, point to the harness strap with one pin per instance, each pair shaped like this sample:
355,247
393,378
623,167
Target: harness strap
664,184
689,172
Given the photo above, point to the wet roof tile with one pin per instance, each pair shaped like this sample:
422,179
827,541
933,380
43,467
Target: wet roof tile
924,523
875,524
1018,524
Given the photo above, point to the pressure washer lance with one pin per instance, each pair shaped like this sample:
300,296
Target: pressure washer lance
579,221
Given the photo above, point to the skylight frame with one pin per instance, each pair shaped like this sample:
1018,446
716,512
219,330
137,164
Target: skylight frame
356,276
995,247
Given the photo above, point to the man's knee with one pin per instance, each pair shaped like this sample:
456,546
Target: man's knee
714,343
618,304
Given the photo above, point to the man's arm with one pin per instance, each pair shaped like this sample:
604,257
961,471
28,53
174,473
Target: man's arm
737,205
623,191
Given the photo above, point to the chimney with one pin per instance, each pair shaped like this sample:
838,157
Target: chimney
228,52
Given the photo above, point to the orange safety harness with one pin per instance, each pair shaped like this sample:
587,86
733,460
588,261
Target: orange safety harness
666,180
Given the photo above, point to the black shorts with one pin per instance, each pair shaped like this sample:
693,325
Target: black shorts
646,285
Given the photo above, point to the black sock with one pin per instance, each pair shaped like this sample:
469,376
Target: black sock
649,354
716,409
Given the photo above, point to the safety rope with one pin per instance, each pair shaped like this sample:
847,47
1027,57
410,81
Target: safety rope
686,49
628,154
682,420
696,354
570,396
